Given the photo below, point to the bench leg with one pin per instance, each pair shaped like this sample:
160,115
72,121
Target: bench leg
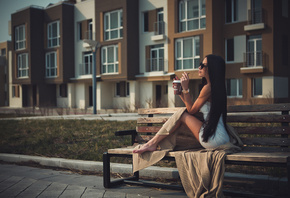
106,170
107,174
288,177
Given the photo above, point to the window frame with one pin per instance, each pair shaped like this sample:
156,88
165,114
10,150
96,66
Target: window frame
234,11
87,65
254,87
257,42
158,49
119,29
119,89
182,6
18,42
20,67
50,37
233,50
48,67
106,63
195,53
239,82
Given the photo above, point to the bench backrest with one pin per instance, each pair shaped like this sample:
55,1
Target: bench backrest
257,125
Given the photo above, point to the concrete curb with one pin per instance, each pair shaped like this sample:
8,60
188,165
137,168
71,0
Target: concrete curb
160,172
153,171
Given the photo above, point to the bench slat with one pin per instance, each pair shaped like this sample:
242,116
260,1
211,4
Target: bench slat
234,108
259,108
258,118
240,130
157,111
266,141
263,130
154,120
248,156
148,129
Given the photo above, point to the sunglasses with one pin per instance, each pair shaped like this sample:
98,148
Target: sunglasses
202,65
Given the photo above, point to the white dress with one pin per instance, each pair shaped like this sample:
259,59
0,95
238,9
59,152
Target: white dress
220,137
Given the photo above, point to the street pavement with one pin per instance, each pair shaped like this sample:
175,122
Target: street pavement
30,182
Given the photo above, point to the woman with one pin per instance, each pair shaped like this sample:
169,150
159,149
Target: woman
211,101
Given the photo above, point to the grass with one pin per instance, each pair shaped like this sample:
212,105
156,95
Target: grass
71,139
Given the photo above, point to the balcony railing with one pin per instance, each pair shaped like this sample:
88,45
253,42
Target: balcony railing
253,59
255,16
89,35
155,64
159,28
85,69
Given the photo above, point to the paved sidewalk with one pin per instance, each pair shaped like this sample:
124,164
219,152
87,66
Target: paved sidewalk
30,182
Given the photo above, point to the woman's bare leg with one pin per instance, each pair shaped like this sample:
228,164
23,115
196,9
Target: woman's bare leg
190,121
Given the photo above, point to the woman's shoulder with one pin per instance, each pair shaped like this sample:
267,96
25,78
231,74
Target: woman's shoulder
206,88
205,91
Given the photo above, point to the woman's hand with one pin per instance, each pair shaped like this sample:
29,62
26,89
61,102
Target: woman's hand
184,81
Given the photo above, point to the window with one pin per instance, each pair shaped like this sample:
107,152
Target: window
231,11
122,89
3,52
110,60
23,69
80,31
90,29
257,87
156,61
51,64
53,34
191,15
159,28
254,51
127,89
87,64
20,40
113,25
63,90
187,53
230,50
15,91
145,22
234,87
256,11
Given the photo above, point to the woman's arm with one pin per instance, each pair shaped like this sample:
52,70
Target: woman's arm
202,98
193,108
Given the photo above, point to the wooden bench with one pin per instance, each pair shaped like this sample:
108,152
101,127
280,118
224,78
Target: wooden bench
264,130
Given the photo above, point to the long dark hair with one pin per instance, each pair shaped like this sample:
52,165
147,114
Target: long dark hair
216,70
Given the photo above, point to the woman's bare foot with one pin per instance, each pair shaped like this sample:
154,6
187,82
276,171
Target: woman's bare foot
146,147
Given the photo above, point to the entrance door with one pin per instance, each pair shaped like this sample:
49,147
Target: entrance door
158,95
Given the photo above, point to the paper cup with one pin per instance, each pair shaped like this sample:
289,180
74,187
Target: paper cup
177,87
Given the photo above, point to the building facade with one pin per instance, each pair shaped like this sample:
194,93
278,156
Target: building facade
43,43
5,47
144,45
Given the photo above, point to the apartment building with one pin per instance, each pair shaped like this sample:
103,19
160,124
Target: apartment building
143,45
114,24
43,43
5,47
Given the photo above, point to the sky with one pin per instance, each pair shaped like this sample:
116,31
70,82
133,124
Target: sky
7,7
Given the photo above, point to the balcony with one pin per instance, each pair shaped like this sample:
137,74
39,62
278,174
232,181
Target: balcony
89,35
159,31
256,20
85,69
155,65
253,62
